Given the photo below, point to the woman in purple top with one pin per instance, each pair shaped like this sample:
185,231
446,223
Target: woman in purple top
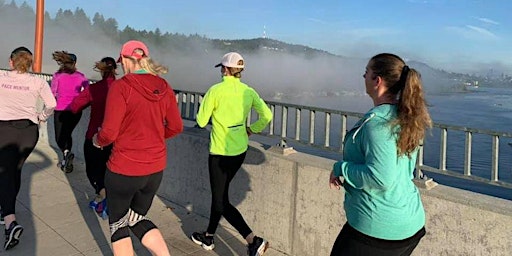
67,83
19,131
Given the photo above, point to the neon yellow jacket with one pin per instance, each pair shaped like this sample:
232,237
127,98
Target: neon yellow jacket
228,104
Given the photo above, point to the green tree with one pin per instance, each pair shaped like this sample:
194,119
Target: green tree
26,9
98,21
81,18
111,29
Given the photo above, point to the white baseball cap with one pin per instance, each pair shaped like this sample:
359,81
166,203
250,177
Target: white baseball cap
232,60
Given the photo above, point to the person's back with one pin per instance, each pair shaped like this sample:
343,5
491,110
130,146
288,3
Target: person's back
20,94
228,104
66,87
140,139
233,100
141,112
19,132
66,84
98,96
96,159
383,207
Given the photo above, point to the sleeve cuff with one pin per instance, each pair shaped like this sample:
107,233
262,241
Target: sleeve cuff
337,169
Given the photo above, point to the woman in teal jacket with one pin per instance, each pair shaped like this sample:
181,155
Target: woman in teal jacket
384,212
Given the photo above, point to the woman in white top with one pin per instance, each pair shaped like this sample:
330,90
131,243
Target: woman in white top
19,131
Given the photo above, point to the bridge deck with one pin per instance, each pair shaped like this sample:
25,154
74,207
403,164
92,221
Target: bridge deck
53,209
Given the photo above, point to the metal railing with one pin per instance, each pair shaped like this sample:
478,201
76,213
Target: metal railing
326,128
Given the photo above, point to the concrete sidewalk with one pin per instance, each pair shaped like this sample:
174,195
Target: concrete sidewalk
53,209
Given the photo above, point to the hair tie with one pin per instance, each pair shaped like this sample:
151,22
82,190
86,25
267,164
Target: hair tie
403,76
405,71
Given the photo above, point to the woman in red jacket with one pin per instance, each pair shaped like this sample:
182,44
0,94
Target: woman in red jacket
96,159
141,112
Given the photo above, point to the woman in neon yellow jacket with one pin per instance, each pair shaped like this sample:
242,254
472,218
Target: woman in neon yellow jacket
384,212
228,104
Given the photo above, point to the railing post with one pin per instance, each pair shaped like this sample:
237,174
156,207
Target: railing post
271,125
180,102
187,105
419,161
196,105
284,121
343,131
327,129
297,124
467,154
495,152
442,151
311,126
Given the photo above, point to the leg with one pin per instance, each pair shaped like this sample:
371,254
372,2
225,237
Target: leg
352,242
140,225
21,138
28,140
123,247
121,190
70,121
155,243
95,170
17,140
96,164
102,167
218,184
57,123
349,242
90,160
8,169
231,165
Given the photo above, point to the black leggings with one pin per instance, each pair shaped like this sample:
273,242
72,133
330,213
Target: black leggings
17,140
128,200
222,170
65,122
96,164
351,242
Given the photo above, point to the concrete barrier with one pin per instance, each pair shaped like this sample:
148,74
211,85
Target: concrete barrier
287,200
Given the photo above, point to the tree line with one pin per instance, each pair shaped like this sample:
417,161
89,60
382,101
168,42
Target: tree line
171,41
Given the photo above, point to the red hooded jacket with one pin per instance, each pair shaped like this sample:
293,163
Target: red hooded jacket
141,112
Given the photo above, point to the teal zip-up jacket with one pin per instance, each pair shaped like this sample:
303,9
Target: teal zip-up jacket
228,104
381,199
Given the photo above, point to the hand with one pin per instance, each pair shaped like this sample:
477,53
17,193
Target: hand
248,130
95,141
335,182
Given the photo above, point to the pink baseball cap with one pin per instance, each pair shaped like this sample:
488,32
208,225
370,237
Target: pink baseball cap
130,47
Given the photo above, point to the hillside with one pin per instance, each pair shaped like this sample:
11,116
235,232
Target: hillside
286,67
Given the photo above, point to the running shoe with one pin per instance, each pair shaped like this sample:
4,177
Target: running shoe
258,247
203,240
12,235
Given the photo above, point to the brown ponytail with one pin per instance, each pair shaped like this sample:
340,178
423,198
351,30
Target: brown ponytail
66,61
405,85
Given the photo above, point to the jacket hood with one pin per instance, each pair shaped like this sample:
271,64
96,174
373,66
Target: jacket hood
152,87
384,111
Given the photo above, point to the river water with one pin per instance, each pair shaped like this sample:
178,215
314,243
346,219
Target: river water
482,108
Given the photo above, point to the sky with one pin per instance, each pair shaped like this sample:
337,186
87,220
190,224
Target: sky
455,35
